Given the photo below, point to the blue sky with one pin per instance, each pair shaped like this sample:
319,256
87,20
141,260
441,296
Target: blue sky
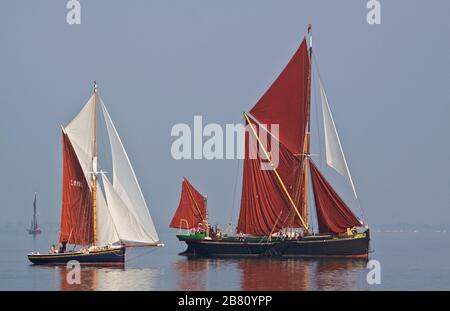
159,63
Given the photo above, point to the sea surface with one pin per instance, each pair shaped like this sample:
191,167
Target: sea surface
408,261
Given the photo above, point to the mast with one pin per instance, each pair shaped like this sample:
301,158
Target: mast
307,144
35,225
94,164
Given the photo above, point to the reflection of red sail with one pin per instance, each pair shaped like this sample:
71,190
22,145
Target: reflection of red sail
264,205
290,275
192,274
67,279
286,102
333,215
191,209
77,220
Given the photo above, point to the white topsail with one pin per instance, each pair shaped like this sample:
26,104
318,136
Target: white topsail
126,192
334,153
81,133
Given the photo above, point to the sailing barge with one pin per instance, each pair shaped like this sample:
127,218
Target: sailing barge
276,211
102,218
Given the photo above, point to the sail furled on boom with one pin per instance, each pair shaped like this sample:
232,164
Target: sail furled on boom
265,207
126,186
77,219
286,102
333,215
333,149
192,208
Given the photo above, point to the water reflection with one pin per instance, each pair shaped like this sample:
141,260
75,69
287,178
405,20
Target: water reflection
274,274
110,279
269,274
339,274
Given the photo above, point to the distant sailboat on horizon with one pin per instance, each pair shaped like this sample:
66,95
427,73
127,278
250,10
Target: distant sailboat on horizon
34,227
103,218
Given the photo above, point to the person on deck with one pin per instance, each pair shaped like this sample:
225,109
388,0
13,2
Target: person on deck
63,246
52,249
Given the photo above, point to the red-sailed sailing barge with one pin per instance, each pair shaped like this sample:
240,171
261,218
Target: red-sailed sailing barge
275,217
102,217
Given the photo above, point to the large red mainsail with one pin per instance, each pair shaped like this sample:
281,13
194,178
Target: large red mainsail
333,215
77,219
265,207
286,102
191,210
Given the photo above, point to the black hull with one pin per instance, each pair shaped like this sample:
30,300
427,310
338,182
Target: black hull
317,247
101,257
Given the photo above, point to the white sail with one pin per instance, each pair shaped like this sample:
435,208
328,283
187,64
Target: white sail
126,186
128,227
334,153
81,134
106,230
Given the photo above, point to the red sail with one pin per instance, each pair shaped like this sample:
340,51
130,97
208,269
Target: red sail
286,102
77,219
333,215
265,207
191,210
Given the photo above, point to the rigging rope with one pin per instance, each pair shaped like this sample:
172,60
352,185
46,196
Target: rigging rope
357,199
140,255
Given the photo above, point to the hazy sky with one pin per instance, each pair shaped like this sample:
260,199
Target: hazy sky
162,62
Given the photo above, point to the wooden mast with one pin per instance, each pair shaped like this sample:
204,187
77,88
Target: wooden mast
307,144
305,225
94,164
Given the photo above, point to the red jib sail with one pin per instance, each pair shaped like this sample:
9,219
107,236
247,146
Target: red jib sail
192,208
77,219
265,207
286,102
333,215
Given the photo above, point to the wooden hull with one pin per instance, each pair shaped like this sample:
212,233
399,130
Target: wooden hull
114,256
352,247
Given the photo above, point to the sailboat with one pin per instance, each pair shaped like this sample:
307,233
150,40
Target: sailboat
99,218
276,212
34,228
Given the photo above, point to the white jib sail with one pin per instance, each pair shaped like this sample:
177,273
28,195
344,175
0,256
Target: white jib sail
81,132
334,153
128,227
106,230
127,188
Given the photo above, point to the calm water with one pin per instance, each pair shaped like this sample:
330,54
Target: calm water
409,261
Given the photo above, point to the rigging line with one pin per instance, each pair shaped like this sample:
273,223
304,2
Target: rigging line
140,255
358,200
233,203
318,131
195,203
313,215
236,180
